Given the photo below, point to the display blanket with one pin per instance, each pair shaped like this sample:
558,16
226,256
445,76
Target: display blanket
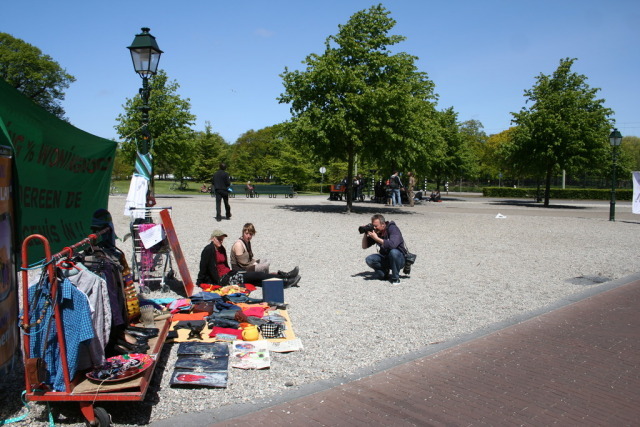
63,174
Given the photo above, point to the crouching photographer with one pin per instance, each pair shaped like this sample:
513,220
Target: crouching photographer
391,248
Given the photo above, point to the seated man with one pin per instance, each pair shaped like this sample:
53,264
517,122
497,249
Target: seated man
391,249
435,196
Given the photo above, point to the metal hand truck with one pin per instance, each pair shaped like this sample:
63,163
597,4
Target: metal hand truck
149,265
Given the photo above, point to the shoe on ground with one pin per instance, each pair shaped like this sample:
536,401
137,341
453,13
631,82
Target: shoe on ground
290,282
395,282
218,219
292,273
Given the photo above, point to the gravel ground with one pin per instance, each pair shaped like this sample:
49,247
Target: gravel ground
472,271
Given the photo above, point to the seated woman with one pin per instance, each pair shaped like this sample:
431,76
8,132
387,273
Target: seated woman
242,255
215,270
435,196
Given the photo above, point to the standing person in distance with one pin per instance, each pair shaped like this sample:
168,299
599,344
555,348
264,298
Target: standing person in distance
395,184
221,182
410,186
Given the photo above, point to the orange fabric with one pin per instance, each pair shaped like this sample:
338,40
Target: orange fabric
189,316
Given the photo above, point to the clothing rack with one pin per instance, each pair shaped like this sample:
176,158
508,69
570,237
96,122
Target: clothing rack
94,416
53,280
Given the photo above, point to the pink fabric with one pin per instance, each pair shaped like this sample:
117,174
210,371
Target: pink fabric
146,257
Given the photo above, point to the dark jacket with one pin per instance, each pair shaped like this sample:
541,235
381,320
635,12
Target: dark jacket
208,272
391,240
221,181
394,182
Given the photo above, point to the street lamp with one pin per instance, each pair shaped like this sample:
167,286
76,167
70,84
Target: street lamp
615,138
145,55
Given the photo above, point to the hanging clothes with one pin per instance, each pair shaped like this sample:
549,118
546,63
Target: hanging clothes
137,196
75,316
95,287
108,268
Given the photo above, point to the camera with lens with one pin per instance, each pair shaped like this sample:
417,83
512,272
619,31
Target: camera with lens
407,268
409,259
365,228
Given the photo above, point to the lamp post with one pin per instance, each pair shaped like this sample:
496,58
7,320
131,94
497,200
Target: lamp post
615,138
145,55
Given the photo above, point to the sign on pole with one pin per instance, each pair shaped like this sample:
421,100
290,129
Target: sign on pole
322,171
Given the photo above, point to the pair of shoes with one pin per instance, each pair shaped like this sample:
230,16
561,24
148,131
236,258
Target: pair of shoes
291,281
124,347
136,331
292,273
136,340
395,282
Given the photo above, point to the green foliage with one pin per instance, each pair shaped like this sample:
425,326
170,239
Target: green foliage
566,127
455,156
33,73
170,122
475,139
255,153
558,193
358,98
293,166
122,167
629,155
210,150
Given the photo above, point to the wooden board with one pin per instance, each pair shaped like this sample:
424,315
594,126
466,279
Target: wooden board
170,231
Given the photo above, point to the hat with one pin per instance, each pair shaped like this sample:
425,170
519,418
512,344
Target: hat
218,233
101,219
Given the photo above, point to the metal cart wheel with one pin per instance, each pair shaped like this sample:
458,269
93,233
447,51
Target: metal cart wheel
101,418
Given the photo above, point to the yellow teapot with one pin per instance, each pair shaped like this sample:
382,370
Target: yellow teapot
250,333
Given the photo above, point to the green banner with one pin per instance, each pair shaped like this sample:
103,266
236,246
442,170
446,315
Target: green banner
63,174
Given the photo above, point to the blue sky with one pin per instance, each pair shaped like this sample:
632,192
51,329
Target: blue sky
227,56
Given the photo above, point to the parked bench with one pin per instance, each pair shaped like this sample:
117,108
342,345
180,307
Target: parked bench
240,189
274,190
265,190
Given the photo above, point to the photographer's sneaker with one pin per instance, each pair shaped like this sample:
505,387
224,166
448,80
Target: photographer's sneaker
395,282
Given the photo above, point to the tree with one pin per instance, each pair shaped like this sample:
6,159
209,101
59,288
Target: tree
359,99
33,73
494,154
170,122
475,139
257,152
293,166
210,150
566,127
630,149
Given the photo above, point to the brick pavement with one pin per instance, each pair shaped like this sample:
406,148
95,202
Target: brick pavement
577,365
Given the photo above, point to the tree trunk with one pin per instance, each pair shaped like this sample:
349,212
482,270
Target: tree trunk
350,162
547,186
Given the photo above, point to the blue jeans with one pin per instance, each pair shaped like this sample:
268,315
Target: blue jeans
395,197
382,263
